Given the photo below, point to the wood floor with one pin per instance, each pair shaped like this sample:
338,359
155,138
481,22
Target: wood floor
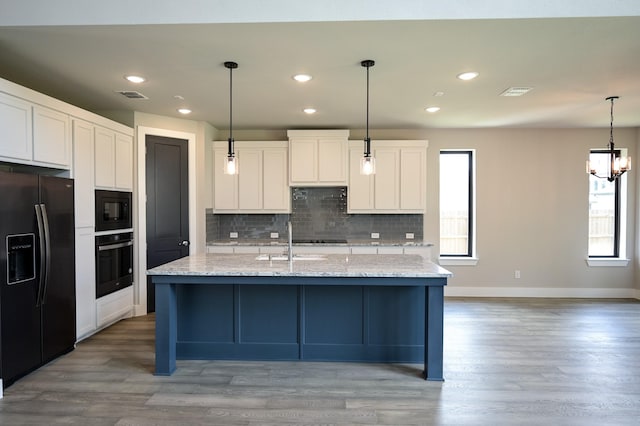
507,362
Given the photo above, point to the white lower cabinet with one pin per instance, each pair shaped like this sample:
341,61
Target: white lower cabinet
114,307
85,283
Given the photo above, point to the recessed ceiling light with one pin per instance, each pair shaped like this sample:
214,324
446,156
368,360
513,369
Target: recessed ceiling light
184,111
309,110
135,79
432,109
468,75
302,78
438,94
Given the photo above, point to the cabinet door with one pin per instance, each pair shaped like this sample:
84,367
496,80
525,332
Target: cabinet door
303,160
83,174
332,161
387,179
85,282
104,158
249,179
225,187
51,137
360,195
15,128
275,188
123,162
413,191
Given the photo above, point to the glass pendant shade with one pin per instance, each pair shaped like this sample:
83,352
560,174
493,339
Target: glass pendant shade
231,166
367,166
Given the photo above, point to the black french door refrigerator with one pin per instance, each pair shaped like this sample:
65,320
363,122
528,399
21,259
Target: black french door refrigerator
37,272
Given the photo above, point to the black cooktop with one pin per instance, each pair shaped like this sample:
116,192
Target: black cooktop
320,241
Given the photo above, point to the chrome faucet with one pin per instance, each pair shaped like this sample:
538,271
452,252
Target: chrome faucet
290,251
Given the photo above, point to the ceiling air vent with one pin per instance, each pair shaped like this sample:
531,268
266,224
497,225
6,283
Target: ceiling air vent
516,91
132,94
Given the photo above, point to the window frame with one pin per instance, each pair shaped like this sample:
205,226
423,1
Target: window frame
617,199
450,259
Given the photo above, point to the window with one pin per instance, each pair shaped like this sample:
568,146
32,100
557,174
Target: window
604,211
456,203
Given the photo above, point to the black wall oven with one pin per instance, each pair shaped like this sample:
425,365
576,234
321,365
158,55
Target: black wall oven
114,262
113,210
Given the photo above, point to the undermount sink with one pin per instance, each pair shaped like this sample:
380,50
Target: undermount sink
296,257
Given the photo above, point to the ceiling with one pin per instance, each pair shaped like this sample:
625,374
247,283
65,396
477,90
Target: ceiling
572,64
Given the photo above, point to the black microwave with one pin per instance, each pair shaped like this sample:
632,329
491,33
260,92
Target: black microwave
113,210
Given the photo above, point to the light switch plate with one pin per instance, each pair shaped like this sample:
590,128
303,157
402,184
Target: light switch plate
233,235
375,235
409,235
274,235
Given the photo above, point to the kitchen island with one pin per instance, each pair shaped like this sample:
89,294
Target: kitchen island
371,308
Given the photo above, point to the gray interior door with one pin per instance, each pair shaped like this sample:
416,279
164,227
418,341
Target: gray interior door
167,184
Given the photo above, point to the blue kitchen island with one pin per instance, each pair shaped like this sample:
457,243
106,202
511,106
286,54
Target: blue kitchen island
367,308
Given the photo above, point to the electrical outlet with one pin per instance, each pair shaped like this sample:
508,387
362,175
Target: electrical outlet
275,235
375,235
233,235
516,274
408,236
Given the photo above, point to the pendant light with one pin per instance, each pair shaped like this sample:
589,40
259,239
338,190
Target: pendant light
617,165
367,162
231,166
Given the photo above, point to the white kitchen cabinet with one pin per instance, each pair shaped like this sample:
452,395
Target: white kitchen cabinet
399,184
124,161
114,307
33,134
16,141
261,185
113,160
51,137
83,146
318,157
85,283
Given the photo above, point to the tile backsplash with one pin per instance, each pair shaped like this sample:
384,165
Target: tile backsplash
317,214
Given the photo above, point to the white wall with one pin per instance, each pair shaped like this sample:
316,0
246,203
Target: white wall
532,209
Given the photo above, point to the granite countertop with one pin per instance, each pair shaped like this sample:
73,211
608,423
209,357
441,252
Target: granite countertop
347,244
330,265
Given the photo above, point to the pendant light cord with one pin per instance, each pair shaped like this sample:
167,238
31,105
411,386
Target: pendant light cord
367,102
231,66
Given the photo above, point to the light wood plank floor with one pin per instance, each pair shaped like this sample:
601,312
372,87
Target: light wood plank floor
507,362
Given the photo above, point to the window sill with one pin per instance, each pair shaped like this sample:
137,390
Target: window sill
458,261
610,261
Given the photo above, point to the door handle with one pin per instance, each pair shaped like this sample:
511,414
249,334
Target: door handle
185,243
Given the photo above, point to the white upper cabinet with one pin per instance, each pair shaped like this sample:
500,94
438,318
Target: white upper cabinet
51,137
15,128
83,174
113,160
261,185
33,134
124,161
318,157
399,184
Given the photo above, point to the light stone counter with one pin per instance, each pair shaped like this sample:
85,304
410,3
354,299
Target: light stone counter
329,265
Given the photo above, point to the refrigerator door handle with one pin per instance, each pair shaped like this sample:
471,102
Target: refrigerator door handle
42,253
47,239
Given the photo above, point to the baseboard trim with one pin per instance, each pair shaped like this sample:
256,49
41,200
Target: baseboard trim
139,310
578,293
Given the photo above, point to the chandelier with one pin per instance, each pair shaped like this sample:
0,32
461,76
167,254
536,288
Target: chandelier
616,165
